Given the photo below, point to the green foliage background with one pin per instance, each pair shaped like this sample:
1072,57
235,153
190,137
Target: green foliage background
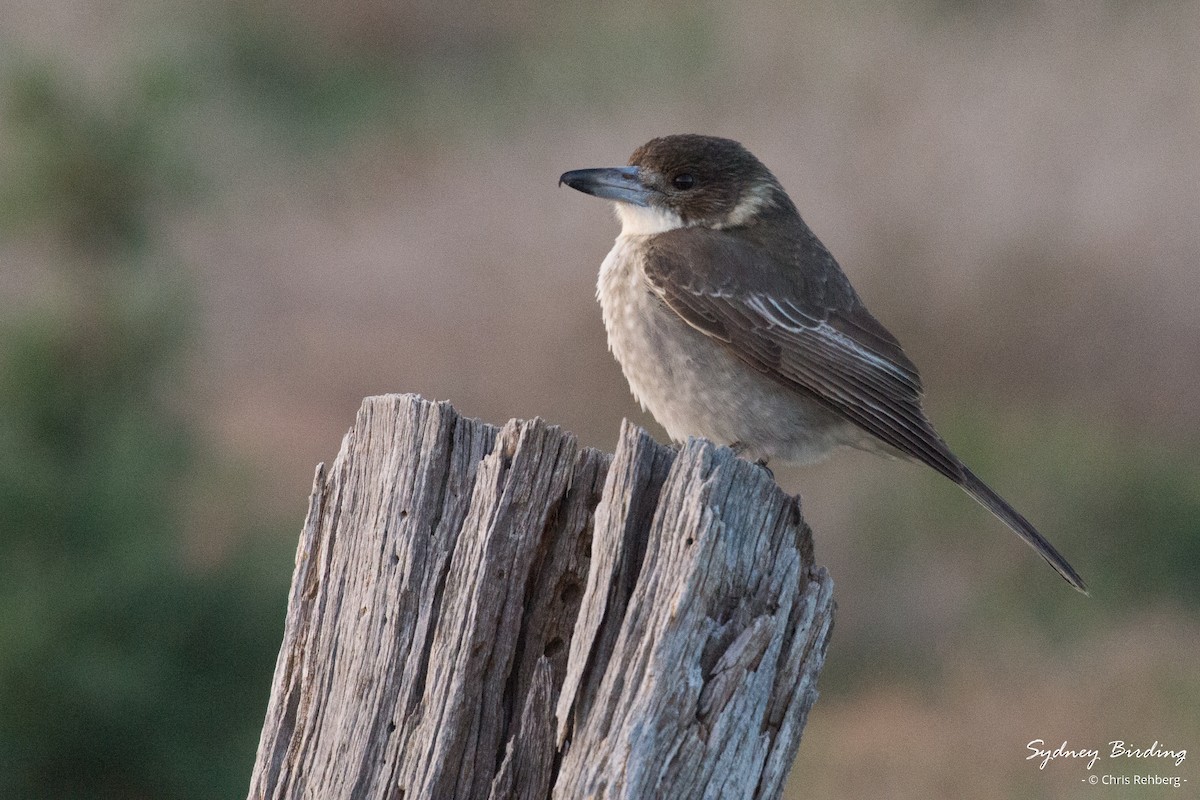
132,667
125,671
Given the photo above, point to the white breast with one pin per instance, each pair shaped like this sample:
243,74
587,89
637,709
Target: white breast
691,384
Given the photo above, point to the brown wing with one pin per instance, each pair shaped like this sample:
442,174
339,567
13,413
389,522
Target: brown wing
807,328
835,352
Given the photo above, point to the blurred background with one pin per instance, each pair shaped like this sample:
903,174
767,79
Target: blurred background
223,224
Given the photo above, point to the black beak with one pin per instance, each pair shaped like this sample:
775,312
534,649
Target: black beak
612,183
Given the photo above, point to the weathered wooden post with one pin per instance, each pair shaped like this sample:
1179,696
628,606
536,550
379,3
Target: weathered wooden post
483,613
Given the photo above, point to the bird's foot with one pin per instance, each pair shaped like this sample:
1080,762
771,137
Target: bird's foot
740,448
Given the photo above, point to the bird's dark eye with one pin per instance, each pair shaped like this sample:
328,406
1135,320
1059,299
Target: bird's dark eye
684,180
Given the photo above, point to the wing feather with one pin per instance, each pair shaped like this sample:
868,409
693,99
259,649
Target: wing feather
840,356
807,329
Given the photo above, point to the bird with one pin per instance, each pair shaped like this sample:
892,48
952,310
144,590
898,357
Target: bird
731,321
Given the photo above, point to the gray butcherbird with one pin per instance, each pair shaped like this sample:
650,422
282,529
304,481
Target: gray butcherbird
732,321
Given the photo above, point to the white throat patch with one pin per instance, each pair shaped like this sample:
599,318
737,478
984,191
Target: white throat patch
645,221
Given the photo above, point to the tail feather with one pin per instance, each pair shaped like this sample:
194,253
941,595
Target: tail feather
1021,526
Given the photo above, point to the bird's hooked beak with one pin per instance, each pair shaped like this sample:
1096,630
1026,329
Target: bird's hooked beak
611,183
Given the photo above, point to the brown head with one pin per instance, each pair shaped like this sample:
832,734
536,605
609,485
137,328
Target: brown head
682,181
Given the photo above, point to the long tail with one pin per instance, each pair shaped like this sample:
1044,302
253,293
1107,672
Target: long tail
1021,526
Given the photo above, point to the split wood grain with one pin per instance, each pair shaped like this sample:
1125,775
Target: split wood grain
501,613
